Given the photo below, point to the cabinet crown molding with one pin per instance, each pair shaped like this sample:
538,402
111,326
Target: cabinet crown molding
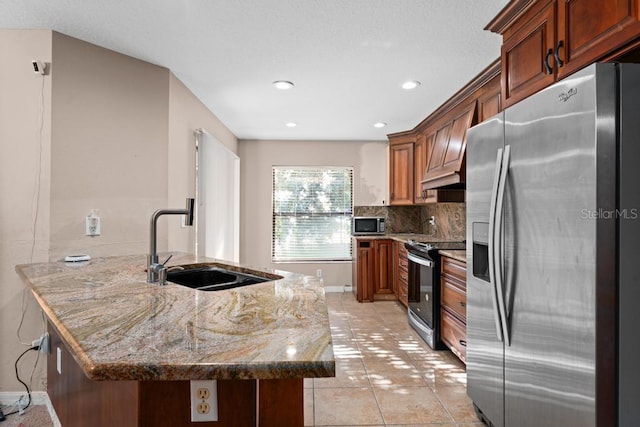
510,13
458,98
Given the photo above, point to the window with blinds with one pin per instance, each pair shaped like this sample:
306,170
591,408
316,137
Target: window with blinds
312,211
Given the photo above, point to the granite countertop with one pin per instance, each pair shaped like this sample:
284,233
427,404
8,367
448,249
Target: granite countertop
118,327
404,237
460,255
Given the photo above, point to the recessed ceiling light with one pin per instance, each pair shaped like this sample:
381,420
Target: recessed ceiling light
379,125
291,125
411,84
283,84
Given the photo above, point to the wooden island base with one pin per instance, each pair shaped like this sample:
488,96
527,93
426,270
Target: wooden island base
79,401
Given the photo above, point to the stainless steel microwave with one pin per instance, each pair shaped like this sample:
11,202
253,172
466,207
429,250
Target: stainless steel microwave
363,225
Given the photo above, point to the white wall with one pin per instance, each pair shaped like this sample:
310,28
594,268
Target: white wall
369,160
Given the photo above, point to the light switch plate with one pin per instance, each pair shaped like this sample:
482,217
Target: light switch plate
92,226
59,360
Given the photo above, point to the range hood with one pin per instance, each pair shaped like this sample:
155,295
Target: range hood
448,141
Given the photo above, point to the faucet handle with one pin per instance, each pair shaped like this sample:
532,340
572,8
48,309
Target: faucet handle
166,260
190,210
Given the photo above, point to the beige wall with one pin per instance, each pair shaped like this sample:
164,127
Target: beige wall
369,160
25,130
109,148
117,136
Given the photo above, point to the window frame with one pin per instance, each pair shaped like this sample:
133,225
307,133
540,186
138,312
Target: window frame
347,213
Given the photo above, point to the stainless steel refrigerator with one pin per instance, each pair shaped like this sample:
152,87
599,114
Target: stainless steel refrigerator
553,248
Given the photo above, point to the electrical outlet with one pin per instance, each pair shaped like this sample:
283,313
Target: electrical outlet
204,401
203,393
42,343
203,408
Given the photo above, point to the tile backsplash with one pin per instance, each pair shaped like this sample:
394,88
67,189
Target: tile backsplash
450,219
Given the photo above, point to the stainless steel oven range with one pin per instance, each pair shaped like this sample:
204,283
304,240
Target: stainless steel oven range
424,288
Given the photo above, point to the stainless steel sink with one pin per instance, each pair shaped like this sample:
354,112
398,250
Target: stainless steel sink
210,278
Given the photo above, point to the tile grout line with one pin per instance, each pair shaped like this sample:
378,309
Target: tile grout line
383,321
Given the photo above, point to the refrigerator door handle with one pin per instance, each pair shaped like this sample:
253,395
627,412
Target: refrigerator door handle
498,255
491,243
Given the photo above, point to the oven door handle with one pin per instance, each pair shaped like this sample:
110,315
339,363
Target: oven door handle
419,260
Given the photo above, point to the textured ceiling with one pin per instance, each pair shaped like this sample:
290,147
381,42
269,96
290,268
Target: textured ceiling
347,58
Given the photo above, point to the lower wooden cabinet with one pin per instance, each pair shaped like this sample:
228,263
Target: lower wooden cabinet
401,272
453,305
454,334
362,277
383,284
80,402
372,270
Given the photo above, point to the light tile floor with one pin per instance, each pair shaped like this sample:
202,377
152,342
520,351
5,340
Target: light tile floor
385,374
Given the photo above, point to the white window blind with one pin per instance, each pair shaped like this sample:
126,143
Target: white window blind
312,211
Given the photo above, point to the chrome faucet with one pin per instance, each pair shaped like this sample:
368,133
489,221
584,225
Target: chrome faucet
156,272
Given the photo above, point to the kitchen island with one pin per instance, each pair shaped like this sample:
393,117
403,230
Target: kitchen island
123,350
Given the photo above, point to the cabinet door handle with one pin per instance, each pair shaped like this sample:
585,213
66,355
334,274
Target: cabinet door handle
546,62
463,343
463,304
556,54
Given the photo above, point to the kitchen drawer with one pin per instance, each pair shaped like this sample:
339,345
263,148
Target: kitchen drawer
403,262
402,272
454,268
454,334
403,276
403,292
403,287
454,298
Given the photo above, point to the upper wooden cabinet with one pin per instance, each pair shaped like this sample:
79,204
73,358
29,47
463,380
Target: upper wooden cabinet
546,40
589,29
490,99
446,161
408,159
526,56
401,171
420,155
438,144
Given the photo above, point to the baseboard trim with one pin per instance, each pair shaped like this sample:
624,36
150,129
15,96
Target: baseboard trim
37,398
339,288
